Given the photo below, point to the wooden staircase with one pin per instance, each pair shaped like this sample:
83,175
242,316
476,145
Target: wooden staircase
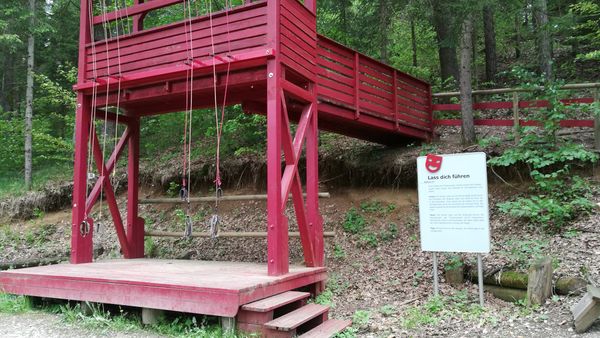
288,315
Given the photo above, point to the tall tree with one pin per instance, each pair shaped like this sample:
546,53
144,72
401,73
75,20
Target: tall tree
413,40
543,38
29,97
442,22
489,36
466,100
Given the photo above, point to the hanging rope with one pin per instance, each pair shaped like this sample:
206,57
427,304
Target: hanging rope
92,127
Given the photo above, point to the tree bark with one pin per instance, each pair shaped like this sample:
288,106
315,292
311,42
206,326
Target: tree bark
413,38
466,99
543,38
384,15
539,286
489,33
29,99
446,49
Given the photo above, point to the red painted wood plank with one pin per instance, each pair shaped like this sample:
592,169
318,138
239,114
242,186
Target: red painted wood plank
382,96
167,48
274,302
298,317
336,67
298,11
332,111
335,85
378,100
329,328
510,123
134,10
342,79
377,70
324,91
376,82
346,61
180,36
254,14
412,104
240,46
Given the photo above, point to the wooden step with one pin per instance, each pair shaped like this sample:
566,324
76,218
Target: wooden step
296,318
328,329
274,302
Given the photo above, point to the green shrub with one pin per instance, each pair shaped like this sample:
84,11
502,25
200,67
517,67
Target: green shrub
557,196
354,222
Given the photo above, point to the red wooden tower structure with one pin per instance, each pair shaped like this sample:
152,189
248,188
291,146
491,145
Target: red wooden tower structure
265,55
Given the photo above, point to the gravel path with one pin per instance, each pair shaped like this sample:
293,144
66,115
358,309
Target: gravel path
38,324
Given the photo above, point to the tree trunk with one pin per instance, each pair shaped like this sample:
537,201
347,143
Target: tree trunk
446,49
413,38
29,98
539,286
489,33
517,37
543,38
466,99
384,15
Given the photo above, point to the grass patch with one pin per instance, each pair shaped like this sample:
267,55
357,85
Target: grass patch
456,306
14,304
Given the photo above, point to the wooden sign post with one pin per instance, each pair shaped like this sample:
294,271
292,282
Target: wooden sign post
453,206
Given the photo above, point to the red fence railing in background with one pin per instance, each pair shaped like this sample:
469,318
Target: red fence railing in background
366,86
516,106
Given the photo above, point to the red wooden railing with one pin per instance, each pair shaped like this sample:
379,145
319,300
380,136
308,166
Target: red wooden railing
366,86
517,108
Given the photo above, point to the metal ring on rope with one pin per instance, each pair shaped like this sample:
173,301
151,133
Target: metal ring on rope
84,228
214,226
184,194
188,227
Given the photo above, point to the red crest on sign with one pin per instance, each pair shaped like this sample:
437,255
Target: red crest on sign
433,163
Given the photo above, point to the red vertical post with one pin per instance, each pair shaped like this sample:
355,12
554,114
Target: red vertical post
431,120
311,5
277,227
81,244
135,224
395,98
356,85
315,221
81,240
138,20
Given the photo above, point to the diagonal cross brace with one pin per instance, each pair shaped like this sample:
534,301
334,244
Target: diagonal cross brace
112,161
291,177
110,195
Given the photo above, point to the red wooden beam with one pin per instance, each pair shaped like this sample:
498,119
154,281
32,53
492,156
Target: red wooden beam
114,157
142,8
291,178
111,200
510,123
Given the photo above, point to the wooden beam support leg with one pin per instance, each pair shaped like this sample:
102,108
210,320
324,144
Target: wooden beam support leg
277,240
81,244
135,224
315,221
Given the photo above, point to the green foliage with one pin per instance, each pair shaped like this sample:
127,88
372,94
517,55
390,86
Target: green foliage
557,196
369,239
354,222
173,190
14,304
522,252
325,298
454,262
458,306
361,318
388,310
338,252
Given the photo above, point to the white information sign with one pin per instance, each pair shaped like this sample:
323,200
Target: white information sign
453,203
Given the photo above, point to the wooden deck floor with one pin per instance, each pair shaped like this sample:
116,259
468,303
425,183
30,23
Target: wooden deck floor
211,288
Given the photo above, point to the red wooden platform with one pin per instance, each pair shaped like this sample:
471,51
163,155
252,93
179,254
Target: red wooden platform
211,288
